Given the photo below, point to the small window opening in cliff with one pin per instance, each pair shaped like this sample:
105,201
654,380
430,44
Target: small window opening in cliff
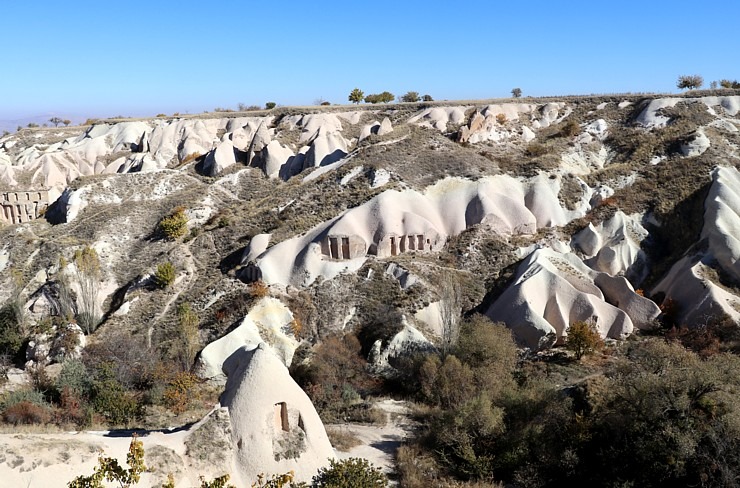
281,416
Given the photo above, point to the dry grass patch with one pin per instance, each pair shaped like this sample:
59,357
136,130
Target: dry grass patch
342,438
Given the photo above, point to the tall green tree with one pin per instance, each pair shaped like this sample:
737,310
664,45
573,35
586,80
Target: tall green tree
356,95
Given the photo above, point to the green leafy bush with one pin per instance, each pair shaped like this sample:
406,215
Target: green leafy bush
26,395
11,335
385,97
350,473
112,400
411,96
74,377
174,225
165,275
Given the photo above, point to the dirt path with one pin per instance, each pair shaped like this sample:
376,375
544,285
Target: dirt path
379,443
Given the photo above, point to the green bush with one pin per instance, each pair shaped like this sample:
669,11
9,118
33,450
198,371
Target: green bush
174,225
11,335
165,275
385,97
350,473
411,96
110,399
74,377
270,105
26,395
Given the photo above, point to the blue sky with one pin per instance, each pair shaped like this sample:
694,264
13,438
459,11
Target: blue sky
138,58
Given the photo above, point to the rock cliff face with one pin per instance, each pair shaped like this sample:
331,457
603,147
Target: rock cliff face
396,185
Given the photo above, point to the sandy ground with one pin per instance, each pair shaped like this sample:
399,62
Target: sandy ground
379,443
53,460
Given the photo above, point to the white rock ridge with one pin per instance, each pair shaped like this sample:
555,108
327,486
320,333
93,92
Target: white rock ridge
269,320
553,290
395,222
691,283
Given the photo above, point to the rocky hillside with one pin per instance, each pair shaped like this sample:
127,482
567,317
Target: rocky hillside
538,213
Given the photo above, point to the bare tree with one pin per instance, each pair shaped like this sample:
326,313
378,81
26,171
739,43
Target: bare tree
87,266
516,92
56,121
450,311
690,82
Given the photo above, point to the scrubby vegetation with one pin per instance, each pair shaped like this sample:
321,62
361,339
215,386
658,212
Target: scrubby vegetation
348,473
165,275
658,415
174,225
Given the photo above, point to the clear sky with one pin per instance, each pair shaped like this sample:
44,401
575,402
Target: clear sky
137,57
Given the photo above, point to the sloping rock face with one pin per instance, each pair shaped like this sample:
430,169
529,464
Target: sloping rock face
274,425
613,247
692,285
552,290
269,317
396,222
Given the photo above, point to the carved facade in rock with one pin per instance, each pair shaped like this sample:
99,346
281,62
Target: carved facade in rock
343,247
393,245
22,206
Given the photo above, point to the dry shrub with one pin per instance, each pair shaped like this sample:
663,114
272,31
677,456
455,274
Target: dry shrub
342,439
26,413
337,378
296,327
258,289
73,409
583,339
535,149
190,157
417,468
501,119
180,392
570,129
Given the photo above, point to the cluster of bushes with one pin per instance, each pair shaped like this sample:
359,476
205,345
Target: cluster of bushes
347,473
357,96
112,383
385,97
660,415
337,379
